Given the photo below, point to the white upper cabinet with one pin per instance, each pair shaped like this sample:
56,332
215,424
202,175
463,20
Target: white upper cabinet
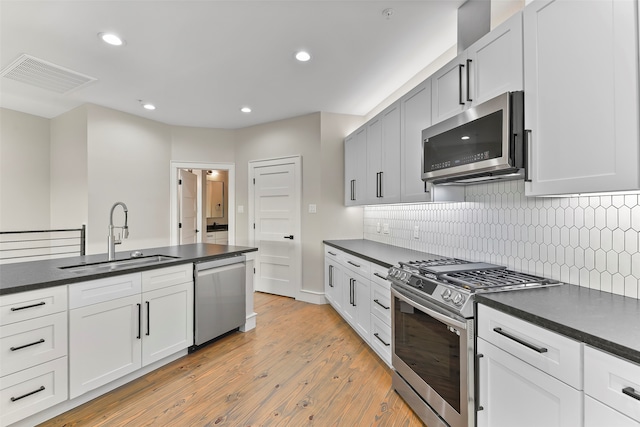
581,96
383,157
491,66
355,167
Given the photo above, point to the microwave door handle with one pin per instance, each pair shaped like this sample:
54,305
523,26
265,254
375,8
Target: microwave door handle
438,316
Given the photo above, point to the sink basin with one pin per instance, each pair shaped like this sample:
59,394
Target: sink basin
105,266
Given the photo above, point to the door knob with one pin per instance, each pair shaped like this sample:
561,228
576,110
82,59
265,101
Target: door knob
290,237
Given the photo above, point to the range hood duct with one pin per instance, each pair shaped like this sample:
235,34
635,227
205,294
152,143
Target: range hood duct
474,21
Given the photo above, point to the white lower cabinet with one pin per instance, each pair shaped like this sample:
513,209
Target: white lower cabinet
514,393
33,352
360,293
119,324
105,343
597,414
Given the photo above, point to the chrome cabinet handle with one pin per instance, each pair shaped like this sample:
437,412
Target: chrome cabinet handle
331,276
381,340
478,406
630,391
520,341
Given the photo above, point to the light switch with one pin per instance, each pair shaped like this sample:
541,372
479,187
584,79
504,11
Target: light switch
378,227
416,232
240,209
312,208
385,228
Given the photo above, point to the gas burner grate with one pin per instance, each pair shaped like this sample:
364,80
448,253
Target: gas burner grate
493,279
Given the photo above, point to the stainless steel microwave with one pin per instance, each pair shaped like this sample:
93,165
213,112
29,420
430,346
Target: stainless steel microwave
485,142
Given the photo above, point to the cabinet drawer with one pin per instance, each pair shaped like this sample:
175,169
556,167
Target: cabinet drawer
32,390
380,338
333,253
597,414
169,276
548,351
31,304
32,342
381,302
101,290
356,264
606,376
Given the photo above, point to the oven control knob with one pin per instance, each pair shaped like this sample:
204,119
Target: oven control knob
446,294
458,299
418,284
403,276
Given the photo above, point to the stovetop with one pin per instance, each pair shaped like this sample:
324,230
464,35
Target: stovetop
452,282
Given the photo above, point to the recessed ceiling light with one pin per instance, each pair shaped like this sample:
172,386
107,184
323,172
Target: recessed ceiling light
111,39
303,56
245,109
148,106
465,137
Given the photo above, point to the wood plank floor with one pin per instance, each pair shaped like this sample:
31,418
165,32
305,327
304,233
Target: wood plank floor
301,366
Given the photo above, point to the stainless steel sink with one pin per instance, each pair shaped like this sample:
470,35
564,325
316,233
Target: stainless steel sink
99,267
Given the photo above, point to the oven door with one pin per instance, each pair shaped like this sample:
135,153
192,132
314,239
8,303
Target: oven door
433,353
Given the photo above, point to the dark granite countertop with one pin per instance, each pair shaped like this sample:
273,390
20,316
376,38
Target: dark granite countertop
600,319
379,253
26,276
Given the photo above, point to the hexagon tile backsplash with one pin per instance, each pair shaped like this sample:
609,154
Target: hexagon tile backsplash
591,241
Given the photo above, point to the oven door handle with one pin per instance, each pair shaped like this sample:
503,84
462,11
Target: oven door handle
438,316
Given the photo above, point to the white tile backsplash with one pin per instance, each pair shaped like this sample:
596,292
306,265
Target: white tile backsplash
591,241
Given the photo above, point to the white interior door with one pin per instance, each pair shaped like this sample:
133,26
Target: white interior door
276,208
188,185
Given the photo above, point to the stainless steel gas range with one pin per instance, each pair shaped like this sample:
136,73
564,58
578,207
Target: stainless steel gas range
433,333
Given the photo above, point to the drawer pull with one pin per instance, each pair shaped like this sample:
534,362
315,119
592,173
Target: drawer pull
28,306
27,345
354,264
630,391
381,340
331,253
383,306
520,341
13,399
380,276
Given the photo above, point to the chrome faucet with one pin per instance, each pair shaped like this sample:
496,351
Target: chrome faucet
112,241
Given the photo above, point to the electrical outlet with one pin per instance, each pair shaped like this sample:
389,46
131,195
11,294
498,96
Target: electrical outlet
385,228
240,209
378,227
312,208
416,232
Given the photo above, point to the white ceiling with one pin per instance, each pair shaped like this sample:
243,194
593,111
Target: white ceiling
200,61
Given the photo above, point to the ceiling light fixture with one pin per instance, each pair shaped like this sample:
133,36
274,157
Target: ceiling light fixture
303,56
111,39
148,106
245,109
465,137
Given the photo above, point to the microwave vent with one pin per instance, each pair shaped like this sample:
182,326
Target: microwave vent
46,75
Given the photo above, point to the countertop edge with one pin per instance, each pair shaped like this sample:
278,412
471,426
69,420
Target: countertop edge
359,255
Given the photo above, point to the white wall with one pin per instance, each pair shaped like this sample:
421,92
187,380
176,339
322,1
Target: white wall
24,171
128,161
69,175
202,145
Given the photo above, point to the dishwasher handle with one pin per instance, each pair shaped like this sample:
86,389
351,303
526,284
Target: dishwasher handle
207,265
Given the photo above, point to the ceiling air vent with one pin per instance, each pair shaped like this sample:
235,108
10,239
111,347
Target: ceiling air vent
30,70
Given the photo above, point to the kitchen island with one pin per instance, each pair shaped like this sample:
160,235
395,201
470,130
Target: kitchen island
72,329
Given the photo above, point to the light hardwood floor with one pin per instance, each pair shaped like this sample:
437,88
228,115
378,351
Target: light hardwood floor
301,366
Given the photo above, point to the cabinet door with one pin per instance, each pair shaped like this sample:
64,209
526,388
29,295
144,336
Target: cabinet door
166,315
374,159
333,284
389,178
494,63
514,393
105,342
581,96
416,116
355,167
448,89
361,303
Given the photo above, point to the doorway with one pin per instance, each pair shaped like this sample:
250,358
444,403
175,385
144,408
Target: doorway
275,194
227,203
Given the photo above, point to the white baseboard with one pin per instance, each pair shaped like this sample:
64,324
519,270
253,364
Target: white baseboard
311,297
250,323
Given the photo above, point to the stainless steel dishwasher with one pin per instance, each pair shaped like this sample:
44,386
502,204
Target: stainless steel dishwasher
220,295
